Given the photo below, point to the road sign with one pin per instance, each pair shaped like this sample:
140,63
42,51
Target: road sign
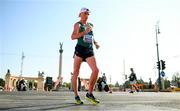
162,73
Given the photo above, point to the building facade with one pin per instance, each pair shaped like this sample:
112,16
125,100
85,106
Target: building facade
33,83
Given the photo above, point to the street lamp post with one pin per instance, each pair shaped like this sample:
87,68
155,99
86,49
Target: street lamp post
158,32
22,58
60,60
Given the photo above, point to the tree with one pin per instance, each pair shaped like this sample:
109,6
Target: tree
126,84
2,82
140,81
166,83
176,79
117,84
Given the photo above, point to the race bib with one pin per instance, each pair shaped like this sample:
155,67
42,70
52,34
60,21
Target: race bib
88,38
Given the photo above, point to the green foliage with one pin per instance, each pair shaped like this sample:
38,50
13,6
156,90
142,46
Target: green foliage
176,80
117,84
2,82
167,83
126,84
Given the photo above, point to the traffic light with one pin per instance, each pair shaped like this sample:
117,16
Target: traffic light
163,64
158,65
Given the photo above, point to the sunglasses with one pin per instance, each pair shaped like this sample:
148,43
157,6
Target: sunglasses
86,13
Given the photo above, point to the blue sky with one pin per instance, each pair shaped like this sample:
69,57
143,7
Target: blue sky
125,30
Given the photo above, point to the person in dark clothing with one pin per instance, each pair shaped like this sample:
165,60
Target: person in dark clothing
79,84
150,83
133,81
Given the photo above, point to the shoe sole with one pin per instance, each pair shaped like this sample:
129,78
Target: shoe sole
91,101
79,103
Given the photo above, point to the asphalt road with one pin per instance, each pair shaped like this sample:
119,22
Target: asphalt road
64,101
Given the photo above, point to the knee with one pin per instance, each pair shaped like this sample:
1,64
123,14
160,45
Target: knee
75,77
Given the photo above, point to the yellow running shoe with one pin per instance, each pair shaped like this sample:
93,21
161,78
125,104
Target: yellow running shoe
78,100
92,99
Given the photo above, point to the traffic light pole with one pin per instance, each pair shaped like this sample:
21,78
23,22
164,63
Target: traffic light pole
158,32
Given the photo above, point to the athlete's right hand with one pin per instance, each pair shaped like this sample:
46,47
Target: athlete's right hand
88,29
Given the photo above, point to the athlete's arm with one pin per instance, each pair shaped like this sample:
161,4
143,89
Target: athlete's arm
76,34
96,44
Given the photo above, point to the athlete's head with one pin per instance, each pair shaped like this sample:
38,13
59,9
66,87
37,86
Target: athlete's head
132,69
84,12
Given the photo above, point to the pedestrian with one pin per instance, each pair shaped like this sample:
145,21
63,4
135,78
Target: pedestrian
18,87
150,83
133,81
99,85
83,33
79,84
104,78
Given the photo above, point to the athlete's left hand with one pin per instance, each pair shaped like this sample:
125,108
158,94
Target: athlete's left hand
97,45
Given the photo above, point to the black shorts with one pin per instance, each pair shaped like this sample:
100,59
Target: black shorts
83,52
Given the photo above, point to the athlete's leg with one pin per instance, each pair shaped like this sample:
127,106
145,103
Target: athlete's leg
77,64
92,63
136,87
132,87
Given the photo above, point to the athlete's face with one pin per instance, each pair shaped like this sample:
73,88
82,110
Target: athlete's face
84,15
